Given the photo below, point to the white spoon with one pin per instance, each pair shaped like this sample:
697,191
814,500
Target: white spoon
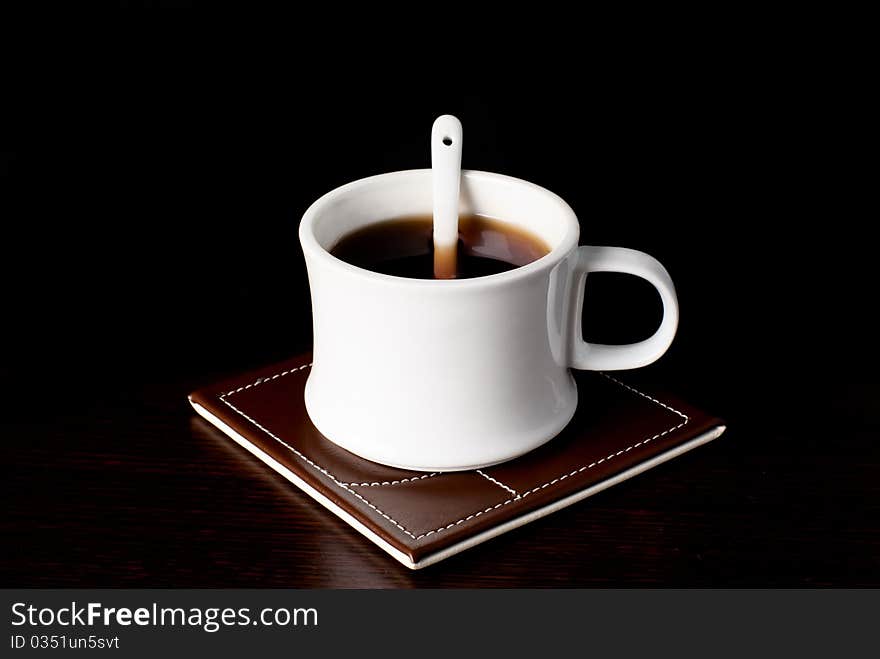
446,173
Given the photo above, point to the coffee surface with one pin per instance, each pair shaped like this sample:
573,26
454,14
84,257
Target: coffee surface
404,247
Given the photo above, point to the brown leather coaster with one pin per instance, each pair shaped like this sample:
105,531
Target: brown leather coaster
422,518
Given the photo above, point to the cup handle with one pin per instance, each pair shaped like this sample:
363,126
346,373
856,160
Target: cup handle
601,357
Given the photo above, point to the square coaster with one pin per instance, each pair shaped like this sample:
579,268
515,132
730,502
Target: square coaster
421,518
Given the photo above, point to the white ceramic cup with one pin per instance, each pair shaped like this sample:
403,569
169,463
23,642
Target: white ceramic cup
446,375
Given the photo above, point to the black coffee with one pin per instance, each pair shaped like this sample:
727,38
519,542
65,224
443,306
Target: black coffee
404,247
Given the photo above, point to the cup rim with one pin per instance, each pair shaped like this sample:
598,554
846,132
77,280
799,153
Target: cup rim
312,248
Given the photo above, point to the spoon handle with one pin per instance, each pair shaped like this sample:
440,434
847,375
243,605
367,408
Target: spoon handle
446,137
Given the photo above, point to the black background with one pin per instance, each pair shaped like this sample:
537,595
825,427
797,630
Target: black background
152,184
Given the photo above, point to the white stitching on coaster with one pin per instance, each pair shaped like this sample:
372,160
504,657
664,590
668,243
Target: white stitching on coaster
498,483
653,400
398,482
260,381
516,497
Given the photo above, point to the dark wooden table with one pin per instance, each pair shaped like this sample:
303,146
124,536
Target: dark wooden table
124,486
